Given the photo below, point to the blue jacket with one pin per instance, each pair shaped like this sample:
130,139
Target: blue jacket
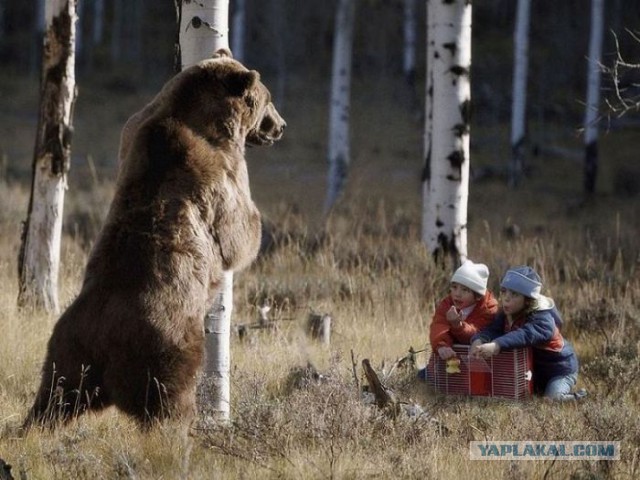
552,355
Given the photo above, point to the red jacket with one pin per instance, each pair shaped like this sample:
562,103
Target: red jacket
442,334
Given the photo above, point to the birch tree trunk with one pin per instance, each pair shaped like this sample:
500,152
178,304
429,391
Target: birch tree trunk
519,102
204,28
339,147
98,22
428,123
79,48
593,97
447,158
409,50
95,35
39,258
133,26
238,29
117,30
35,61
278,33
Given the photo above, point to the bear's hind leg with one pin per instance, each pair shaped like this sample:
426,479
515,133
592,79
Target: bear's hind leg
144,396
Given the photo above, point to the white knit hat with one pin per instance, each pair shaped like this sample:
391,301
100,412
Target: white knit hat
474,276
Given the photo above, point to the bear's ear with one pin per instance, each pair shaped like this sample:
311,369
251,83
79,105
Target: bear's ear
239,82
222,53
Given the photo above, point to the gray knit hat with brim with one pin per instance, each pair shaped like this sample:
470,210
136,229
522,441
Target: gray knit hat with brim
523,280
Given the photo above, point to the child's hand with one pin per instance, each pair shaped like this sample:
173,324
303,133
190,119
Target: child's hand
446,353
485,350
453,316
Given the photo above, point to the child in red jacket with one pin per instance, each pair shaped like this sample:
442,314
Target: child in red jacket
467,309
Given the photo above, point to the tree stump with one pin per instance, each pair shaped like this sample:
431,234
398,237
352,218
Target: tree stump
319,327
385,398
5,471
243,333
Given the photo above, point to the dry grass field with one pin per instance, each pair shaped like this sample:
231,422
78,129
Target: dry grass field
365,266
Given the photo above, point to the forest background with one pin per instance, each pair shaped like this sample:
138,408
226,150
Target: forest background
365,265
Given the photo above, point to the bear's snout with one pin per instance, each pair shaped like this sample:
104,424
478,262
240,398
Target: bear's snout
269,130
268,125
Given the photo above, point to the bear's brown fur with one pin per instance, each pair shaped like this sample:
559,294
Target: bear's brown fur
182,213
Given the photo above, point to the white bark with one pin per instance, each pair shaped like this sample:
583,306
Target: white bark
238,30
409,50
428,124
447,175
519,101
39,261
204,28
593,95
339,147
43,239
218,349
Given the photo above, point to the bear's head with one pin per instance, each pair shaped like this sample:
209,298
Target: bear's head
220,99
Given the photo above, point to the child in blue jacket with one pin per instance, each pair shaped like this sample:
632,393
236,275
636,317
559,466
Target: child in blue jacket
528,319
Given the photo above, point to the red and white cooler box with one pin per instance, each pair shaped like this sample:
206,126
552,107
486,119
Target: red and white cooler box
506,375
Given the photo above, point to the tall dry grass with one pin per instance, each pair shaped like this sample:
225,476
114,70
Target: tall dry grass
367,268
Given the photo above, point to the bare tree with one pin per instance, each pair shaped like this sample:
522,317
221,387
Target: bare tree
409,37
624,100
126,31
79,48
278,34
339,144
117,29
238,29
39,28
593,96
446,174
39,258
428,123
98,22
204,28
519,104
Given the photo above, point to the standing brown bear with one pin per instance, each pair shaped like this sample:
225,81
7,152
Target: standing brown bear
182,213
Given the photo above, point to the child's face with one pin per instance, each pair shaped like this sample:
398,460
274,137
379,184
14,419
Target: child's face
462,297
512,302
